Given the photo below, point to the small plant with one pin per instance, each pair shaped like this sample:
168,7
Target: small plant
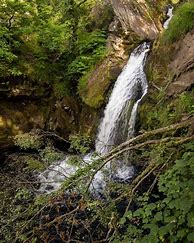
75,160
61,89
35,164
170,216
81,144
23,194
28,141
49,154
90,48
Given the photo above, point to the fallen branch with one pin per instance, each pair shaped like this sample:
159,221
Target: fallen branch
54,135
175,141
57,219
150,134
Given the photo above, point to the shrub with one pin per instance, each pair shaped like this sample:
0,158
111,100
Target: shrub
169,218
50,155
61,89
90,49
28,141
81,144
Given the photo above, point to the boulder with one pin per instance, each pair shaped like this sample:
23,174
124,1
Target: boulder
100,79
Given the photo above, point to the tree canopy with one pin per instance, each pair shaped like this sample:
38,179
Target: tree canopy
49,41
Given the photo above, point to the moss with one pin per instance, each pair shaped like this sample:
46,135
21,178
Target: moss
61,89
93,86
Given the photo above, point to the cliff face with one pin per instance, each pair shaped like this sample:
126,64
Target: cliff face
106,72
23,108
136,16
133,21
171,66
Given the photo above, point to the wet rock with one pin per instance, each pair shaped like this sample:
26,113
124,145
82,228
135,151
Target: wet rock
19,117
100,79
132,22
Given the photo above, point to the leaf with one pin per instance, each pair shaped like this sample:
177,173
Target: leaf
158,216
190,218
190,237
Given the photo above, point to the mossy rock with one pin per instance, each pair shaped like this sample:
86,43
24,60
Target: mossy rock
94,86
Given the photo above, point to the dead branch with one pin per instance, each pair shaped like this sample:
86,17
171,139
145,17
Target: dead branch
150,134
57,219
173,141
54,135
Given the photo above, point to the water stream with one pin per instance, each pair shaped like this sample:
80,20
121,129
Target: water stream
169,15
119,118
117,125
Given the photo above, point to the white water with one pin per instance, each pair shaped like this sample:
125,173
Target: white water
169,15
128,91
117,125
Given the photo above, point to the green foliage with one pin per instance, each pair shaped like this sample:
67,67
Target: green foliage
90,48
167,112
61,89
28,141
48,41
35,164
168,218
81,144
44,152
175,1
75,160
182,22
23,194
183,105
49,154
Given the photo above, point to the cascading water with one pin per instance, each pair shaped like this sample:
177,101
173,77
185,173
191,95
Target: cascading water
169,15
120,113
117,125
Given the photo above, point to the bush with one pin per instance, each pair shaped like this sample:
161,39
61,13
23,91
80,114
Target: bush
81,144
169,218
90,48
182,22
61,89
28,141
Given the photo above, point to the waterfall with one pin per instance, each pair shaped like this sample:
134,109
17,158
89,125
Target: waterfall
120,113
169,15
117,125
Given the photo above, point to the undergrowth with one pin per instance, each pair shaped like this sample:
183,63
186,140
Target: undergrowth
167,216
157,206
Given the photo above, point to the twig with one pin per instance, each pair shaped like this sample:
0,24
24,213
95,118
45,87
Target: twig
135,147
135,187
62,216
